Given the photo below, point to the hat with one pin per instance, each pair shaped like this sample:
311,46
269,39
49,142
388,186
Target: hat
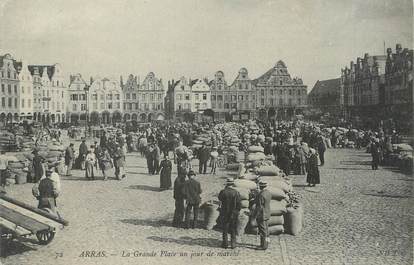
262,183
191,173
229,181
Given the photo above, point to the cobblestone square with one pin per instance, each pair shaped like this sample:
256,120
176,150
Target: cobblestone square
356,216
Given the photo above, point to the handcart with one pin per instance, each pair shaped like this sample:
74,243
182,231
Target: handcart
18,219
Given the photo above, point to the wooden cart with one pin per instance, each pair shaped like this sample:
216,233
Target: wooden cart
18,219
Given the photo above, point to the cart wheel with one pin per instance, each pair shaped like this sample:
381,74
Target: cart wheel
45,237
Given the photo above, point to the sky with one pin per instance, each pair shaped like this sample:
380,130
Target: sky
196,38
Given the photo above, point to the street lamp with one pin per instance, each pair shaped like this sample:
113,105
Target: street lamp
86,89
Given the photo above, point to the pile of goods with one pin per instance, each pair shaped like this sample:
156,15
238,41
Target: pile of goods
404,157
286,212
18,166
7,142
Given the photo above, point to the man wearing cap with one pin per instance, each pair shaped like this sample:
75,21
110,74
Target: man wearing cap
83,151
38,168
263,214
230,208
192,191
46,192
179,197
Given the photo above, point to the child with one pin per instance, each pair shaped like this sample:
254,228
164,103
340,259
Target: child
213,159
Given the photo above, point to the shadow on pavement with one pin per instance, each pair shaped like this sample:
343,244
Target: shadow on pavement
148,222
13,247
74,178
204,242
144,187
352,163
385,195
351,168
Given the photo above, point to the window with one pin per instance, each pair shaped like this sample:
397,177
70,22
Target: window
220,105
280,82
102,105
22,103
82,96
83,107
2,88
299,101
128,96
117,96
159,96
204,105
151,97
187,96
29,103
74,107
271,102
109,97
262,92
226,106
118,105
204,96
143,96
281,101
130,106
95,97
22,89
179,106
234,97
110,105
240,97
62,95
213,97
219,97
134,96
247,97
290,92
197,105
136,106
196,96
9,89
47,92
262,101
8,74
226,97
280,92
271,92
179,96
153,106
3,102
213,105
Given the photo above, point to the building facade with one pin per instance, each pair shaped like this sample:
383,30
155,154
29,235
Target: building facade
26,93
278,94
130,92
325,97
150,96
104,101
221,97
77,95
50,93
243,96
360,88
10,89
398,96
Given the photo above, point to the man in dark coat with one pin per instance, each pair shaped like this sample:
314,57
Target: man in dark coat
263,214
321,149
47,193
203,156
38,169
83,151
375,153
103,139
192,191
230,208
179,200
69,158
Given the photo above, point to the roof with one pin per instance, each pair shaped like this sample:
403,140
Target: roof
326,86
17,65
50,70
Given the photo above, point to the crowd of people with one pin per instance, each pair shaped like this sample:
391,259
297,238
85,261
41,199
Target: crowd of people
295,147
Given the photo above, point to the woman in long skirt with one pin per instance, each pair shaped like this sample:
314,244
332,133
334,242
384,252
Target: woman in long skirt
90,161
165,175
313,177
105,162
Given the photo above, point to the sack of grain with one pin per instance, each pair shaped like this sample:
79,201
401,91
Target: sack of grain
243,220
277,193
268,170
250,176
278,207
294,219
244,192
256,157
276,230
284,185
244,204
255,149
210,215
276,220
247,184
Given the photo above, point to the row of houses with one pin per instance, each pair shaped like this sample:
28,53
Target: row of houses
370,89
42,93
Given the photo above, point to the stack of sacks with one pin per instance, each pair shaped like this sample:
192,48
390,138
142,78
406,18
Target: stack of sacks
19,169
244,187
278,205
7,142
255,154
27,144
